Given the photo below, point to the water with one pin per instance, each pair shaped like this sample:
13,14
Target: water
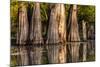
53,53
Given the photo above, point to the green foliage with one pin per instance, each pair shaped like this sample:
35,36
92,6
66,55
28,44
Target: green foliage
44,12
14,14
86,13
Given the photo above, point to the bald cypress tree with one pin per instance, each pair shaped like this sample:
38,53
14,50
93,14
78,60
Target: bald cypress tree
57,34
22,34
74,34
84,38
62,33
36,35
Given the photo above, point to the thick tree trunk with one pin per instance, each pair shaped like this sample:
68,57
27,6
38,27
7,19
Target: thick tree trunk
53,37
84,38
74,34
22,34
62,33
57,34
36,35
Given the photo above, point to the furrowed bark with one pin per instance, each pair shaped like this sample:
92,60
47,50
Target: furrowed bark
62,33
57,34
36,35
22,34
74,34
53,36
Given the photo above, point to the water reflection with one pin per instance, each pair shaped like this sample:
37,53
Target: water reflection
56,53
53,53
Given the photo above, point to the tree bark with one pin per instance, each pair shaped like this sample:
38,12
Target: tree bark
74,34
57,34
22,34
91,39
84,38
36,35
62,33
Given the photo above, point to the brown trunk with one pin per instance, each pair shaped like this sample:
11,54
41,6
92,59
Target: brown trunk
84,38
53,37
57,34
62,33
91,39
74,34
36,35
22,34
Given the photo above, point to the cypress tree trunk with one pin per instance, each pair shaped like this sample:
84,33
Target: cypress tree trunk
74,34
52,36
22,34
84,38
57,34
36,35
91,40
62,33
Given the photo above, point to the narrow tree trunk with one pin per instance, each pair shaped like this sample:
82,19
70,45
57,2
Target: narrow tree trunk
36,35
91,39
74,34
84,38
22,33
57,34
